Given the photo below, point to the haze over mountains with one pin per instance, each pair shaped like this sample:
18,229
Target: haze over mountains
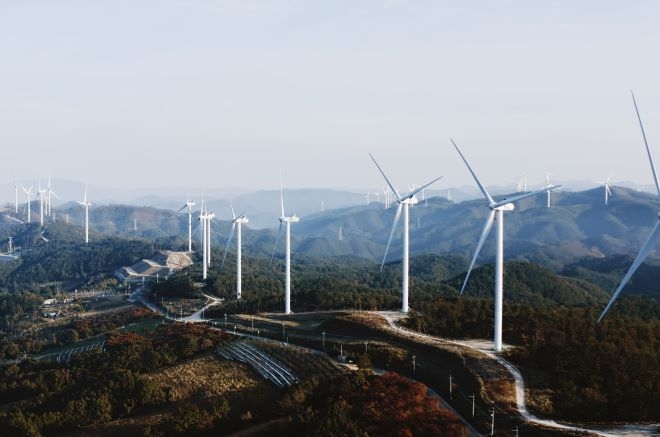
577,225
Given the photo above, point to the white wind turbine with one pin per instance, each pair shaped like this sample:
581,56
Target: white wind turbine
606,186
404,202
237,223
286,221
548,185
189,204
386,192
496,212
49,193
209,216
85,204
28,196
653,236
42,204
203,218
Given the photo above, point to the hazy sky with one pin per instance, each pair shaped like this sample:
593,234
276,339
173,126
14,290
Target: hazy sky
225,93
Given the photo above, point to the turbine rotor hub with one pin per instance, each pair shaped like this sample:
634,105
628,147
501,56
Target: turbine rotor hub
505,207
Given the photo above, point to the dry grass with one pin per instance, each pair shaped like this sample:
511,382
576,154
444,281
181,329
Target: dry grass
368,319
203,379
207,377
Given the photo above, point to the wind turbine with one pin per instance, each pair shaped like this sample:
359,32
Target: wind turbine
237,222
209,216
386,192
286,221
189,204
85,204
42,204
653,236
606,186
496,212
404,202
28,195
202,222
49,193
547,185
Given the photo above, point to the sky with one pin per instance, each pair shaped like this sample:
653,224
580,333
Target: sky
143,95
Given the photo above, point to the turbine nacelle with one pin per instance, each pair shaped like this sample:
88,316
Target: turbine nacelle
292,219
505,207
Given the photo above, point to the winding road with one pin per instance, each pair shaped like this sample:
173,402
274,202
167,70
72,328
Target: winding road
485,347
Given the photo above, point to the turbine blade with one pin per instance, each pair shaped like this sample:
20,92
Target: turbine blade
476,179
397,216
641,256
514,199
232,210
386,180
482,239
412,193
181,209
282,199
277,240
648,151
231,235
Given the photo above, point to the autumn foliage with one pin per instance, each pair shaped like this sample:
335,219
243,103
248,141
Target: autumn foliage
392,405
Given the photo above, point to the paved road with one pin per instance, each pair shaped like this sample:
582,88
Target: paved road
485,347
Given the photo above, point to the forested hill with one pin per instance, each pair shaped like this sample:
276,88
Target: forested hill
577,225
579,236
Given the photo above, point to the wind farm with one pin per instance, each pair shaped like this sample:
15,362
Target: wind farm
441,241
158,278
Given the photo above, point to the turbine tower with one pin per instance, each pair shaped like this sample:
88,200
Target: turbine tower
189,204
548,185
286,221
28,195
202,222
209,217
653,236
49,193
42,204
85,204
404,202
496,212
237,223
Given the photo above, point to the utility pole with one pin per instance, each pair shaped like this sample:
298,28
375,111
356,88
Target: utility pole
323,333
492,420
472,397
413,363
451,386
366,346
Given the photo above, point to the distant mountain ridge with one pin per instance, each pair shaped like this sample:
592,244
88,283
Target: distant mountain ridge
578,225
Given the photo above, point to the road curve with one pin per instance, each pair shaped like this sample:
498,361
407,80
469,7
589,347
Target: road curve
484,347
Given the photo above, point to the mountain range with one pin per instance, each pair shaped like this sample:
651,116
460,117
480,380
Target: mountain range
577,225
